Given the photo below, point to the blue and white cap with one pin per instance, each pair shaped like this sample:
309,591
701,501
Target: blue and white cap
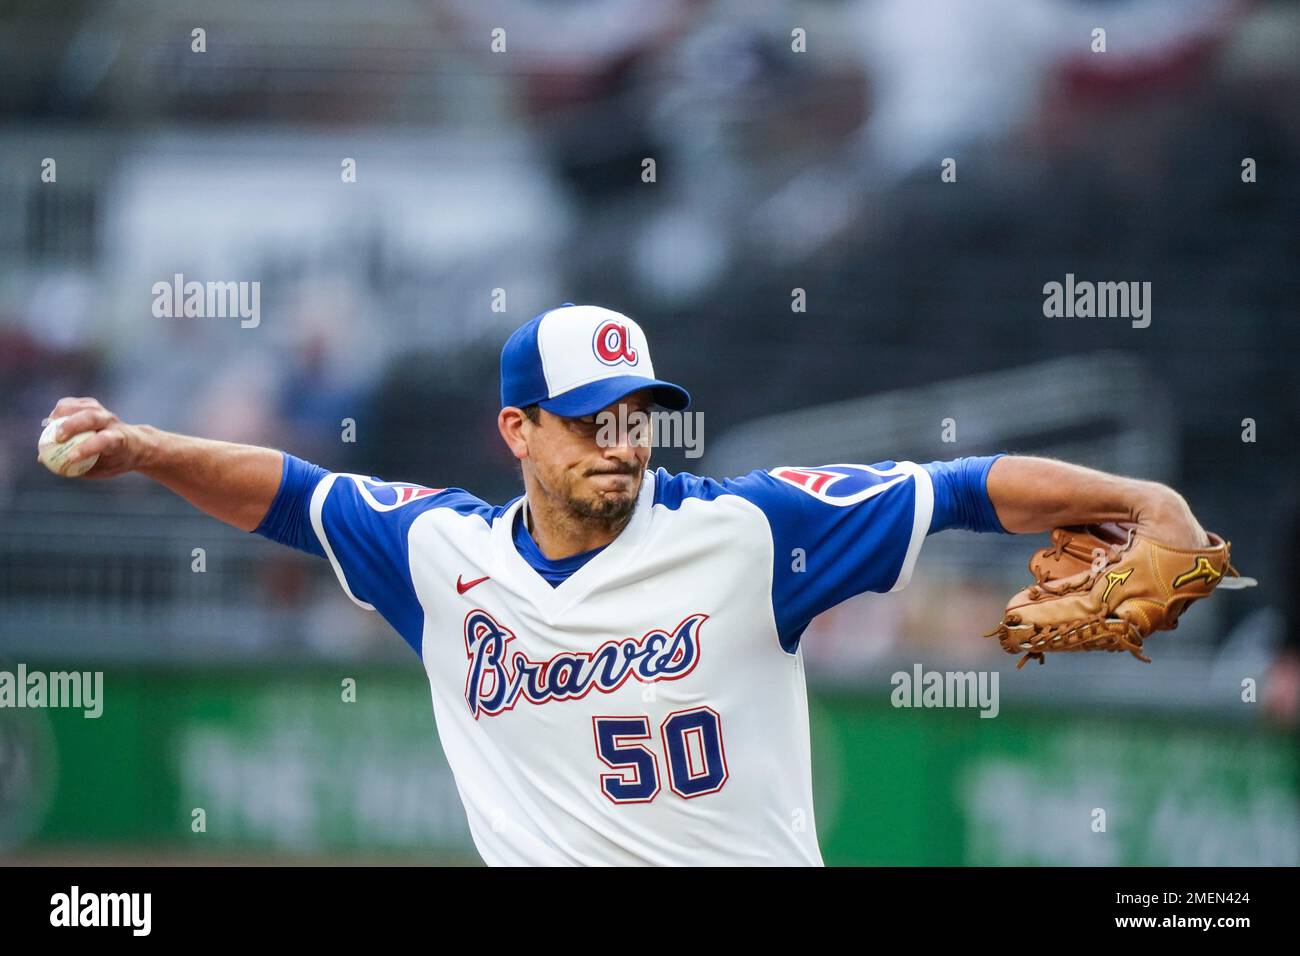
577,359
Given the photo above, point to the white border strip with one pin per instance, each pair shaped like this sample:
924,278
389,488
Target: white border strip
317,506
922,514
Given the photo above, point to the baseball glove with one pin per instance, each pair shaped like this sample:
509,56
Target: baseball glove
1107,588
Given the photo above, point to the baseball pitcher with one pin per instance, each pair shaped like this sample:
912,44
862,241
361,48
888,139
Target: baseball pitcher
614,656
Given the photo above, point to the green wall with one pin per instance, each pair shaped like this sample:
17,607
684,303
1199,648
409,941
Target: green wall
282,766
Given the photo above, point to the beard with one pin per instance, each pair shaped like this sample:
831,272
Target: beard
606,511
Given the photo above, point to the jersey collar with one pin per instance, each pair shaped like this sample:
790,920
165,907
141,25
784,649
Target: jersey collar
612,561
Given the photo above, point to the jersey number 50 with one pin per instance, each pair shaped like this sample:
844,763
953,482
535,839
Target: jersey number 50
692,743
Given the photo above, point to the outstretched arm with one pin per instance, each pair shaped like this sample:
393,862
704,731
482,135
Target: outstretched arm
1038,494
233,483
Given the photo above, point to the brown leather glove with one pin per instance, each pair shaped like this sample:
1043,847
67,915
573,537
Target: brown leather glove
1107,588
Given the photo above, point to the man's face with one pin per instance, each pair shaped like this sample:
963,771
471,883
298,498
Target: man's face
593,472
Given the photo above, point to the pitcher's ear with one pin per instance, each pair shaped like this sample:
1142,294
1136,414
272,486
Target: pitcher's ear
511,422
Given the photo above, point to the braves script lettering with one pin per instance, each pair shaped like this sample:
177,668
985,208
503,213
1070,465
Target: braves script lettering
497,679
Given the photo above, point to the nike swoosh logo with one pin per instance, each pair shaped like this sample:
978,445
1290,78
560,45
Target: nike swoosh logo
461,588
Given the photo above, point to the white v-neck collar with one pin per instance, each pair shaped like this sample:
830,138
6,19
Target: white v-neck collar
553,601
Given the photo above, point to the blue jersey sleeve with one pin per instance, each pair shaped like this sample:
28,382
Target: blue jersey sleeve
360,524
961,497
837,531
288,520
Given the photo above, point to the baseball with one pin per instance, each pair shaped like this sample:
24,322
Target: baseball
54,454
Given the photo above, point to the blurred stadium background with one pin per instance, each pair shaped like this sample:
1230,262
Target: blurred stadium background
521,172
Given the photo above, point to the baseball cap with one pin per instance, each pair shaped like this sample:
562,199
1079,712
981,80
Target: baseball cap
577,359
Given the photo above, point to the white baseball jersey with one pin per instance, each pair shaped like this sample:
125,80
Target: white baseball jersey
651,708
